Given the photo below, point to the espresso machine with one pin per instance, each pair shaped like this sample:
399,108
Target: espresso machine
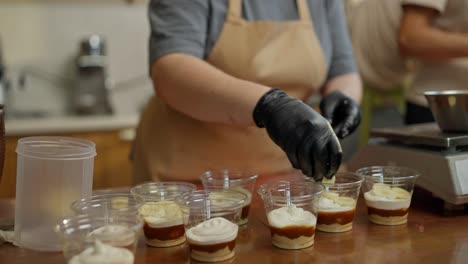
90,96
441,158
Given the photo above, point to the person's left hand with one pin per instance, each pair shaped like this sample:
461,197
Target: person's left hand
342,112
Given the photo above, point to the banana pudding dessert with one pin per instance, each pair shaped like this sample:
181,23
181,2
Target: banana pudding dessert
163,224
387,205
239,181
292,227
336,213
244,219
213,240
239,195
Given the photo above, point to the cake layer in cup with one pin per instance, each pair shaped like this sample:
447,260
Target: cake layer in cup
165,243
388,220
164,236
293,237
214,252
335,221
295,243
335,228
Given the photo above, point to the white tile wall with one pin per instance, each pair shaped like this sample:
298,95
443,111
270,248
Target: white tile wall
45,35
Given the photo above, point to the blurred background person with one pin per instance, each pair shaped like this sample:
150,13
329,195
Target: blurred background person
374,27
406,47
435,32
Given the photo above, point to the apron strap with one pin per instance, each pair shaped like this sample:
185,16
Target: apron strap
304,11
235,9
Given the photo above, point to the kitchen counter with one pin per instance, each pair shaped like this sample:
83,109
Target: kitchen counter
66,124
427,238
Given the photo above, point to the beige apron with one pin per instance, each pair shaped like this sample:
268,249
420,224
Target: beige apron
373,27
173,146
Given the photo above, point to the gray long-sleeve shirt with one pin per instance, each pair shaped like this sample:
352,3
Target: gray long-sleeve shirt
193,27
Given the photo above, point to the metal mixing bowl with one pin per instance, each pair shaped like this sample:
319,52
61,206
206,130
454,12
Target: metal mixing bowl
450,109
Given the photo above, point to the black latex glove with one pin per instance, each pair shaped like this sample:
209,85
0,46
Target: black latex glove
305,136
342,112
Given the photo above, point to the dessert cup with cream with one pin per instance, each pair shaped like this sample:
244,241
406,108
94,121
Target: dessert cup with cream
210,219
337,203
240,181
98,239
108,204
163,224
388,191
291,208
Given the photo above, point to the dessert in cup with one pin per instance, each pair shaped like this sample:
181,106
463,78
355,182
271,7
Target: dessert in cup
291,208
388,191
240,181
338,202
210,220
163,224
100,239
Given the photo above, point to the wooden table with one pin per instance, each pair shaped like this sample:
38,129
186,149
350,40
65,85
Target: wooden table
427,238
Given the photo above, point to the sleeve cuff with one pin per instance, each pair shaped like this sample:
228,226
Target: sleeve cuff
168,46
438,5
340,68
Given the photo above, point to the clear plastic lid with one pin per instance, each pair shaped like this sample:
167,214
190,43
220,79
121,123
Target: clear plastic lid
56,148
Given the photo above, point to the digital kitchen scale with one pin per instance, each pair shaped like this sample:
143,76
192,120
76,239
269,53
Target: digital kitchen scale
441,158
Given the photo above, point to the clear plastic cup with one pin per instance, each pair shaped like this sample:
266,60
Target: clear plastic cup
388,191
109,204
291,208
240,181
338,203
52,172
97,239
163,224
210,219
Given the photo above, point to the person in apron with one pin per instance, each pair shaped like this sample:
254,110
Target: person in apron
224,112
374,26
435,32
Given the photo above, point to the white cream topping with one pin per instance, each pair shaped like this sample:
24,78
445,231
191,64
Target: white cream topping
383,196
161,214
213,231
103,254
291,216
118,235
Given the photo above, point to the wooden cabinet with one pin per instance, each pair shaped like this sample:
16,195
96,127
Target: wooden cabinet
112,167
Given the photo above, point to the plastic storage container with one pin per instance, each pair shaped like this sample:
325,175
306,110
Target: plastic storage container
2,139
52,172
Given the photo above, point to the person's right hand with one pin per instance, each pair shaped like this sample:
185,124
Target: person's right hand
304,135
